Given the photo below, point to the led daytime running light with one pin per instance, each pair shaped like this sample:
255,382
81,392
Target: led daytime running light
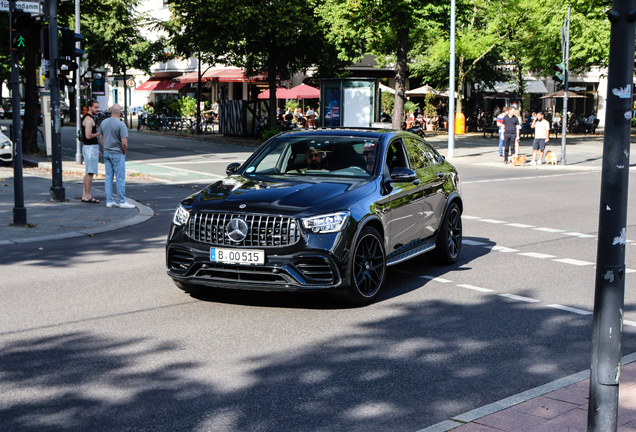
328,223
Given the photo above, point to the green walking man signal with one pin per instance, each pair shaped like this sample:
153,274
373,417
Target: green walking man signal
20,27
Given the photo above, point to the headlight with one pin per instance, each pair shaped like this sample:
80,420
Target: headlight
328,223
180,216
5,144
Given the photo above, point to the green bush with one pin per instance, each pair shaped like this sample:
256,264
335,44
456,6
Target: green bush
291,105
409,106
387,102
270,133
634,122
187,106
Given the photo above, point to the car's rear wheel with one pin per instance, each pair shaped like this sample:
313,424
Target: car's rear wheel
449,238
368,269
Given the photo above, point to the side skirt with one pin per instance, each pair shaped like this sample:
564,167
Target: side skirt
415,251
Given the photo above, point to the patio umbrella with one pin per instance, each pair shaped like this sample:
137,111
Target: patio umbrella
281,93
421,91
503,95
386,89
560,93
303,91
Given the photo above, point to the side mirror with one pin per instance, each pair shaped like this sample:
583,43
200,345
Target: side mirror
401,174
232,168
3,128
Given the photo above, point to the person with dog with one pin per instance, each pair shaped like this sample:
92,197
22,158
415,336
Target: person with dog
90,151
511,127
500,118
541,137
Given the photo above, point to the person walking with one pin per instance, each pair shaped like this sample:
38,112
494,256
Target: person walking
114,137
541,137
500,118
90,151
511,127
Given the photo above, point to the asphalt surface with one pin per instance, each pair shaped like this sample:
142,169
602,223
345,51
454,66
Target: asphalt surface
95,335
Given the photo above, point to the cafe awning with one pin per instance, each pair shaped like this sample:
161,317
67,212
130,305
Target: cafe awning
163,85
532,86
219,74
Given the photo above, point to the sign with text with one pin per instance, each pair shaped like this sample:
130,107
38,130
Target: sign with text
30,7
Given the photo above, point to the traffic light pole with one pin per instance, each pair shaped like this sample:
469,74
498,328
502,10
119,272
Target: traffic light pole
57,187
566,60
609,293
19,211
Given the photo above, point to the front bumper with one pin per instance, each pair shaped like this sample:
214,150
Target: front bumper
316,262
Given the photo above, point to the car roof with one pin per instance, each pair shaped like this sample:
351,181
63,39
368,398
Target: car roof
357,132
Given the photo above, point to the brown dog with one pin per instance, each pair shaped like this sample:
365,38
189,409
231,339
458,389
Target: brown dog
519,160
550,158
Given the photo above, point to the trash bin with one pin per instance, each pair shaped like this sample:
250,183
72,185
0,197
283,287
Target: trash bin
460,124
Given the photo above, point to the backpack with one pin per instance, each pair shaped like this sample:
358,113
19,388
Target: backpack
81,135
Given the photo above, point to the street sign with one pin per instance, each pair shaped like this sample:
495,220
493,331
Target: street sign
130,83
30,7
85,84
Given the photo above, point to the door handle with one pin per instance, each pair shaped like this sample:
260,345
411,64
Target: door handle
416,182
440,174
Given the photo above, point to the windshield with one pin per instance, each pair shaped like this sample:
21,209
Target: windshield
322,155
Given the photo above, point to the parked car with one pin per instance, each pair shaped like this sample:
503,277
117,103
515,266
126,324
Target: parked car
1,112
319,210
6,147
9,111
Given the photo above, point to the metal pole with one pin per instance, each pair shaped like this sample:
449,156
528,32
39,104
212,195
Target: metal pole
610,260
565,119
19,211
78,99
451,87
57,187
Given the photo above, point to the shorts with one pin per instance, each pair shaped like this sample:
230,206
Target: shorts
91,158
538,144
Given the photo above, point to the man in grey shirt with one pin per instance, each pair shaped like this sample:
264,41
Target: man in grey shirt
114,137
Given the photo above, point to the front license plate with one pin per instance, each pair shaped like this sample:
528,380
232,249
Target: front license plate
237,256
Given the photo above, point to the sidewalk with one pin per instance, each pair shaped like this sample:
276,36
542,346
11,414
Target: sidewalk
54,220
559,406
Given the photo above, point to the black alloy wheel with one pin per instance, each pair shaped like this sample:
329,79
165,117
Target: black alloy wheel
368,269
449,238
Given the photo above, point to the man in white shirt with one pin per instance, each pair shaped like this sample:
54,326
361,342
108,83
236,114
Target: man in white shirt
541,137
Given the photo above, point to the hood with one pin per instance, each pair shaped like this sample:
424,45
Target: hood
284,196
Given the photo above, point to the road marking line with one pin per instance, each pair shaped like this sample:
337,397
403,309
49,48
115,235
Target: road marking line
474,288
629,323
537,255
167,165
436,279
472,242
573,234
574,262
501,249
516,297
482,181
550,230
492,221
470,217
154,145
519,225
587,236
630,270
570,309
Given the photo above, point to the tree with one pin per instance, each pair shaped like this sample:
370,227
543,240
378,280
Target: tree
483,30
275,36
384,28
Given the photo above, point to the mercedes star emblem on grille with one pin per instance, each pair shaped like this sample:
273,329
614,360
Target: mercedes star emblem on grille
236,230
242,206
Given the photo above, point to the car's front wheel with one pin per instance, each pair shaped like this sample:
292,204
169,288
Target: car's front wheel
368,268
449,238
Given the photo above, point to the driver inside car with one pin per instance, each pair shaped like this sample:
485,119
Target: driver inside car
316,159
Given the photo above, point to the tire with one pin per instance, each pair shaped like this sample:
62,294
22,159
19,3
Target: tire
449,238
368,270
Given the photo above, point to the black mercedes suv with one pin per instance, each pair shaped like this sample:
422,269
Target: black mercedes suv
319,210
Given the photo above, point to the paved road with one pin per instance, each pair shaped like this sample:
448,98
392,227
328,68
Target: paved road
96,337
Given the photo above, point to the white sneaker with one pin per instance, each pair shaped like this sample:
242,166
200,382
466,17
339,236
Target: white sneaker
127,205
112,204
539,162
532,163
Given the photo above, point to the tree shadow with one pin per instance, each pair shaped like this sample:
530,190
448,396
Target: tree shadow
420,363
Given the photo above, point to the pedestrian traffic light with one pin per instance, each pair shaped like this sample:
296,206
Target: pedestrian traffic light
559,75
69,37
20,27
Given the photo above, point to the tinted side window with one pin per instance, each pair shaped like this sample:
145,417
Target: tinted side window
395,156
417,155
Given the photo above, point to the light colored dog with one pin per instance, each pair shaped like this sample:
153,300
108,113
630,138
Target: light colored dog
519,160
550,158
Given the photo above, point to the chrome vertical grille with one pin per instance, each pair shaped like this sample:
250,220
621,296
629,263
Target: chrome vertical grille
263,230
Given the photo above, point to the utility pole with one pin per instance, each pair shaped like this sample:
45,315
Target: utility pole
566,60
451,87
609,293
78,99
57,187
19,211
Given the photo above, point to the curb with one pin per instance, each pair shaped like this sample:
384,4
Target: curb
511,401
216,138
145,213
